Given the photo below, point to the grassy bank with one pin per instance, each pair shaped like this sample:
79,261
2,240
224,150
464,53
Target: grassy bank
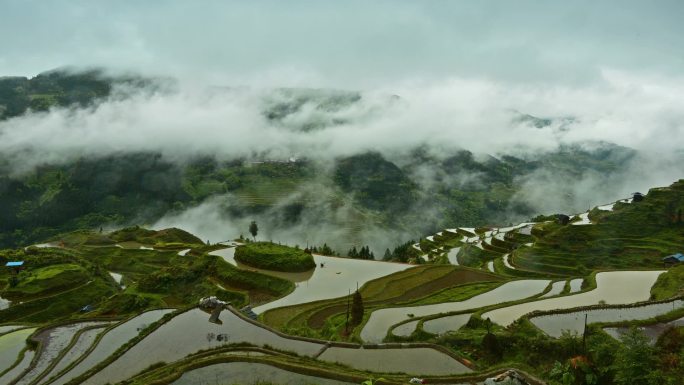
270,256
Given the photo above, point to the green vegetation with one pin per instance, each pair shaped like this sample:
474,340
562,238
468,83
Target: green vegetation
416,286
669,284
635,235
271,256
59,281
46,280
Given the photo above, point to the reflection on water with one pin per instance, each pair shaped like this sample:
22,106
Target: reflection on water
405,330
335,279
10,346
425,361
84,341
446,324
554,324
613,287
576,285
248,373
651,331
380,320
556,288
9,328
17,370
112,341
189,332
54,341
452,255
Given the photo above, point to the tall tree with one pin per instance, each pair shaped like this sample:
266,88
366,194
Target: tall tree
253,229
357,309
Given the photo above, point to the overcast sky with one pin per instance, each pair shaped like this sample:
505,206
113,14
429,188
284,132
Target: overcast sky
357,44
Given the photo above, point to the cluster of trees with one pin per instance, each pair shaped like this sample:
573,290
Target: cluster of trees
323,250
633,362
402,253
364,253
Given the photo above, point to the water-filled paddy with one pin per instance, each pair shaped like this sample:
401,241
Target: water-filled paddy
111,341
584,220
380,320
556,288
10,346
507,263
189,332
248,373
84,341
651,331
19,368
334,280
117,277
405,330
554,324
446,324
423,361
576,285
54,340
4,304
613,287
452,255
9,328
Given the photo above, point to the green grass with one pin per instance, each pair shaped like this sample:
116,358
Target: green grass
635,235
270,256
669,284
47,280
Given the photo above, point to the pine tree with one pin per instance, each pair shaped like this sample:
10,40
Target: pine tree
387,256
253,229
357,309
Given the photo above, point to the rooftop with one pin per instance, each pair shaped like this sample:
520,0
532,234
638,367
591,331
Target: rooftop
14,263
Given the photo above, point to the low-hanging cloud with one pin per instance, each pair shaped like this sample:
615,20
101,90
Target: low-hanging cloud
477,115
639,112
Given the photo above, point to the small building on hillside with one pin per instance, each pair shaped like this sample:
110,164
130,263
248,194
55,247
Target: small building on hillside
674,258
637,197
15,266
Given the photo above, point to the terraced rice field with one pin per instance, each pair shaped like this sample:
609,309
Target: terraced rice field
111,341
381,320
249,373
53,340
555,324
615,287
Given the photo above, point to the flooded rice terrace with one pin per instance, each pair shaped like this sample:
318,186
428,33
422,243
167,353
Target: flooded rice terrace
248,373
53,341
111,341
381,320
409,360
334,279
651,331
10,346
446,324
191,331
555,324
613,287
